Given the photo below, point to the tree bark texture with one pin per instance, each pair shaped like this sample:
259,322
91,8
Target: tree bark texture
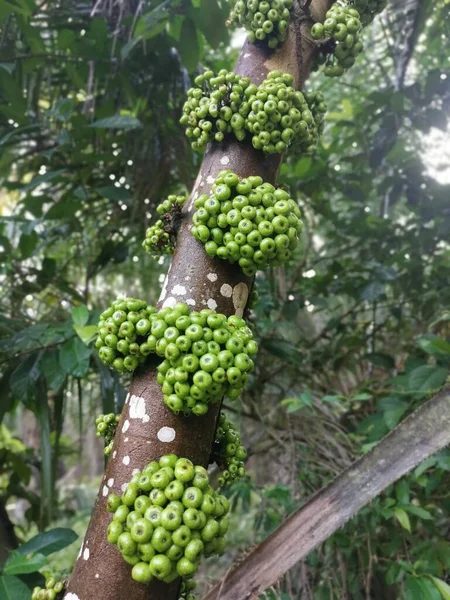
147,428
422,434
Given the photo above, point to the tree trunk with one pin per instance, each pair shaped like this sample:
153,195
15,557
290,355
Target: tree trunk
147,428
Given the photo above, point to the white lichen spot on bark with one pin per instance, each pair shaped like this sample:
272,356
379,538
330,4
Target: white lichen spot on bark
110,481
211,303
114,454
126,439
123,487
224,160
190,301
226,290
97,575
105,490
170,302
134,471
86,554
179,290
137,407
127,399
210,179
126,460
71,596
166,434
212,277
240,296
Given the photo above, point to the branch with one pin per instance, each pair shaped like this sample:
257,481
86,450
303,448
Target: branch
148,429
419,436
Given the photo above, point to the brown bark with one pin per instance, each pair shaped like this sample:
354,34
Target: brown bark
422,434
146,424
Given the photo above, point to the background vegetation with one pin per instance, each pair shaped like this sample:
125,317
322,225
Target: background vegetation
354,335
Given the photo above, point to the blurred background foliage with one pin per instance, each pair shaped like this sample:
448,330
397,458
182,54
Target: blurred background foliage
354,335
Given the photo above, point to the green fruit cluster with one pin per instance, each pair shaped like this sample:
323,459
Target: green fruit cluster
160,237
273,113
121,334
106,426
263,19
368,9
278,114
213,108
54,590
206,356
167,518
228,452
247,221
342,31
307,144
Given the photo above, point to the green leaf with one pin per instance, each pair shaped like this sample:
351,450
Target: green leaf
402,492
188,45
12,588
421,513
75,357
24,377
64,209
426,464
54,374
86,333
444,588
434,345
117,122
63,109
28,243
113,193
18,563
402,518
427,378
80,315
49,541
49,176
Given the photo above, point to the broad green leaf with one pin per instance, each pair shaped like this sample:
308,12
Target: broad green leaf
18,563
54,374
444,588
80,315
24,377
12,588
86,333
63,209
75,357
117,122
49,541
402,518
188,45
427,378
434,345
